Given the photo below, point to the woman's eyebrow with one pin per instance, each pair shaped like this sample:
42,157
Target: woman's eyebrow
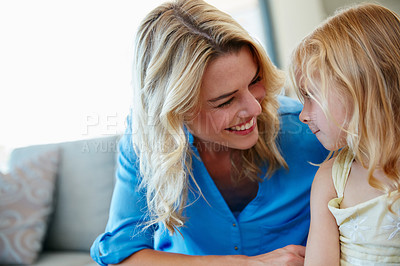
222,96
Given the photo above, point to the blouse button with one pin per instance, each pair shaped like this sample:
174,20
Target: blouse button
236,248
234,225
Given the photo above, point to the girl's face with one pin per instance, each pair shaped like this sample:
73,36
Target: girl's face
231,93
328,130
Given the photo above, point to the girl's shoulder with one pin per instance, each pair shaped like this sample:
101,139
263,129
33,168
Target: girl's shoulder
332,174
324,172
323,183
325,168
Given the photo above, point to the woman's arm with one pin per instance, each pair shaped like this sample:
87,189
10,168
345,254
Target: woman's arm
323,240
289,255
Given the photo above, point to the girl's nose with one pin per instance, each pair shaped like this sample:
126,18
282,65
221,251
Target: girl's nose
304,116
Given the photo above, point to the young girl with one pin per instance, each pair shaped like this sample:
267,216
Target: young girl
347,72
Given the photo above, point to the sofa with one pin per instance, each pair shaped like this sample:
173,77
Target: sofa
78,204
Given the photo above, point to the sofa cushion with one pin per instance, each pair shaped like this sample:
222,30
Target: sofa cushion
26,195
83,190
64,258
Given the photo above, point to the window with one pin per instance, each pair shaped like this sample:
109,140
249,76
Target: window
65,66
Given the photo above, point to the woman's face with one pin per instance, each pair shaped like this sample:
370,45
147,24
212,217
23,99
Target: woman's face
230,97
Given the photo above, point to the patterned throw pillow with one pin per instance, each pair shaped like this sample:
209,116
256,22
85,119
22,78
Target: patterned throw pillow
26,195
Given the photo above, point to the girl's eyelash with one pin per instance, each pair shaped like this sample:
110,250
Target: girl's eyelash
304,93
225,103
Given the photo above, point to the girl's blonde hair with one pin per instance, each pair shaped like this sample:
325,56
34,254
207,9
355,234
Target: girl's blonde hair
356,54
173,46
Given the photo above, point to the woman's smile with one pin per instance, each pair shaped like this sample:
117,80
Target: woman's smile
244,128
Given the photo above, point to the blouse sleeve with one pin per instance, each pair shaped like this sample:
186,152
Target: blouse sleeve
124,234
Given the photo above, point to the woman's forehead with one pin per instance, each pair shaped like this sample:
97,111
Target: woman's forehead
230,71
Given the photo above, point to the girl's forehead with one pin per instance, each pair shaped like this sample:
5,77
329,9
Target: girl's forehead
311,80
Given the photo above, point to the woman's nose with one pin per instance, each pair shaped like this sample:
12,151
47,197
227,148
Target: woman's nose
250,106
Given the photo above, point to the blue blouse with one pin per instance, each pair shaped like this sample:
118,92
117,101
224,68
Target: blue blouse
276,217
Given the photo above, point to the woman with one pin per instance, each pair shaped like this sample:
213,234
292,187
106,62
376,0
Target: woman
201,178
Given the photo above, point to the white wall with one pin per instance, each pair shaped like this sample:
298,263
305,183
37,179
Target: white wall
292,20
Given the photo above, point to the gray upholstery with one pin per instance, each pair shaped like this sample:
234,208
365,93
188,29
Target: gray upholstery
85,181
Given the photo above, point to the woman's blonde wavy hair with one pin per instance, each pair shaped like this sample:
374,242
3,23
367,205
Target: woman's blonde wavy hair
173,46
356,54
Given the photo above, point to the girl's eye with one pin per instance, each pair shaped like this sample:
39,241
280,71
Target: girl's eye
225,103
257,79
304,93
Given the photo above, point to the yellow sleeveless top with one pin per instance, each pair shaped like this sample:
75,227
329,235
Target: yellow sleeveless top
369,232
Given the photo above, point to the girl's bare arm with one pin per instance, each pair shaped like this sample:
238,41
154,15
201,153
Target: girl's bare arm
323,240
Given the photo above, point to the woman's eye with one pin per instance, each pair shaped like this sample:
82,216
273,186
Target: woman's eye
257,79
225,103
